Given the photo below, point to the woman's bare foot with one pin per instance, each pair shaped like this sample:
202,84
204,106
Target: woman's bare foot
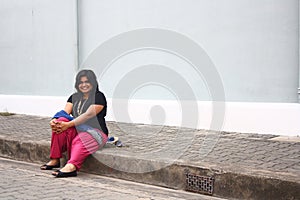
53,163
67,168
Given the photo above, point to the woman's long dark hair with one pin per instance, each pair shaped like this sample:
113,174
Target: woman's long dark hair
90,76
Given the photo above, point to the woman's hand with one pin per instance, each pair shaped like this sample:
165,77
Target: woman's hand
53,125
62,126
59,126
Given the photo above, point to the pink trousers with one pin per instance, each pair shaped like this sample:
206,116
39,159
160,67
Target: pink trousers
79,145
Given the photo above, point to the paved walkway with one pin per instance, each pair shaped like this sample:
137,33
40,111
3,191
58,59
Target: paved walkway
268,156
225,150
20,180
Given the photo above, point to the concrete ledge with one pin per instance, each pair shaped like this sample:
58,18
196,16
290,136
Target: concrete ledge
24,151
226,184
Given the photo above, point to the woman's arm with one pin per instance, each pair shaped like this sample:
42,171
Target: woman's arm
68,108
92,111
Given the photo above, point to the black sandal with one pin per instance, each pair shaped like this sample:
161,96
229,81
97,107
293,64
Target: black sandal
61,174
49,167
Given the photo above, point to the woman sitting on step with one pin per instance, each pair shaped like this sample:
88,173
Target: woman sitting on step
84,132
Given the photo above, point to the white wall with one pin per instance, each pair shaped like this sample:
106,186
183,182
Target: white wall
251,47
252,44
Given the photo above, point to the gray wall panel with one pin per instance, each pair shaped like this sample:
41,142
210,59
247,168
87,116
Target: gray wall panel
253,43
37,47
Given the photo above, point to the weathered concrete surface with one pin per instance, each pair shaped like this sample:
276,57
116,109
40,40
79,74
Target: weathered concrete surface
244,166
21,180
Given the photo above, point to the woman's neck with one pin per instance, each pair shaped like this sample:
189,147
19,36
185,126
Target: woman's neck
85,96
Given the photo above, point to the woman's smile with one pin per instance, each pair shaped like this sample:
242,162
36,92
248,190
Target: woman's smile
84,85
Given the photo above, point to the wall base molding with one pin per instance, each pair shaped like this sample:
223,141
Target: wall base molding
244,117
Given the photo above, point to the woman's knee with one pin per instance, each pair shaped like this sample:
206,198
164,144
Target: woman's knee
62,119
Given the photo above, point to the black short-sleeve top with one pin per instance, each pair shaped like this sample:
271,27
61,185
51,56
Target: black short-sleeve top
80,106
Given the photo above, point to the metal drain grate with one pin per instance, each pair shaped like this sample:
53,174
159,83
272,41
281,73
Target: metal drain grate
199,184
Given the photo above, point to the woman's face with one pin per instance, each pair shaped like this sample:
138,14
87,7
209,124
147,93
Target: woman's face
84,85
